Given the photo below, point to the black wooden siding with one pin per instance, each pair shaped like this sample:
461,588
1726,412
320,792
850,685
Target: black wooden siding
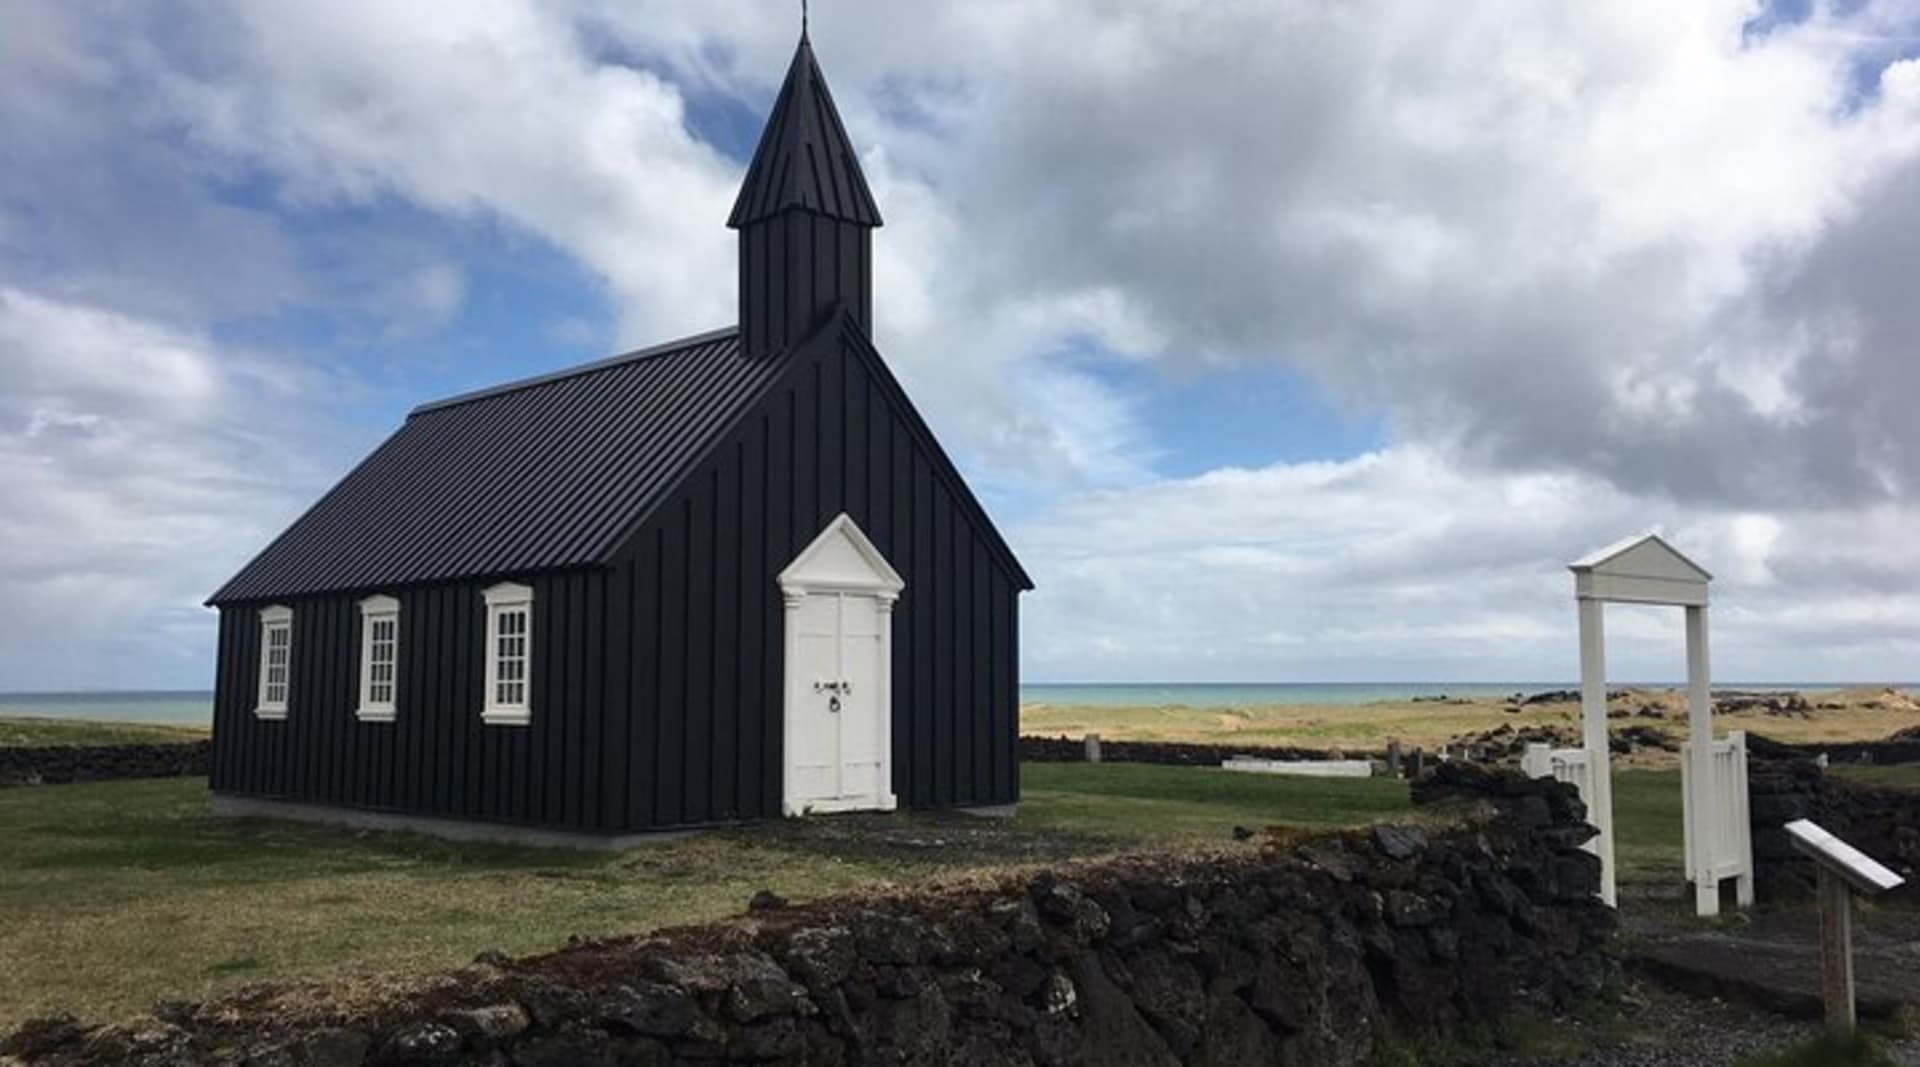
796,266
657,682
437,757
706,663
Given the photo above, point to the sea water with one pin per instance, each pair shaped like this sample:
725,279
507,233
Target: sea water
195,708
168,707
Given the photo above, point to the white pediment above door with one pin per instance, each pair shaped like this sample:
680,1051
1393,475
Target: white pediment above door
841,558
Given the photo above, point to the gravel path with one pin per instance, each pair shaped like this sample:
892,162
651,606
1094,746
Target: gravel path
1661,1028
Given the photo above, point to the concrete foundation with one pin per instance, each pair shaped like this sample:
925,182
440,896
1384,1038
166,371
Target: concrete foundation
452,829
993,811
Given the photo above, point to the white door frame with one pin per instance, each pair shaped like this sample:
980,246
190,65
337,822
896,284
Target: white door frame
825,568
1648,570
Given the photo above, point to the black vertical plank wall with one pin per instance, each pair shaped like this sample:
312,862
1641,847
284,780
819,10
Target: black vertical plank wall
437,757
827,439
657,682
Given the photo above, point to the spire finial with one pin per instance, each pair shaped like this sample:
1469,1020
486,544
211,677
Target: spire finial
803,19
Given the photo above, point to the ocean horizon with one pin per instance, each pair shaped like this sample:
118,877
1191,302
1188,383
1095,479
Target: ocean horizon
190,707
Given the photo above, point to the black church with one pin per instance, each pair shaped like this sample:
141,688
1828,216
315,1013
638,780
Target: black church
722,578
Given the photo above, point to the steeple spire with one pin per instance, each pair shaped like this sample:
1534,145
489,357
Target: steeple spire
805,216
805,158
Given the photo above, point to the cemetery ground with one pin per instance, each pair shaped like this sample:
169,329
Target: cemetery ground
114,894
119,893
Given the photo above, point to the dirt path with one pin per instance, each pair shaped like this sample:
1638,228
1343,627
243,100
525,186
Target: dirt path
1710,994
1658,1027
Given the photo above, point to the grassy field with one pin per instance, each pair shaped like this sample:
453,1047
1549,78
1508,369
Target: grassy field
114,894
27,730
1850,715
1649,838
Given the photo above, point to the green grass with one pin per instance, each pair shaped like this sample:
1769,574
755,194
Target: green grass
1190,804
1649,835
114,894
18,731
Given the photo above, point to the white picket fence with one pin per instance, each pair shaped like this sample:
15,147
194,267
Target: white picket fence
1568,765
1724,846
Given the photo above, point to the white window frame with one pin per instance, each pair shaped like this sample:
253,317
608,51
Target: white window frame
273,620
504,600
375,610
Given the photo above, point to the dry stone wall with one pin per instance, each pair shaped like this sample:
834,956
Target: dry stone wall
1177,753
1882,822
1900,748
1307,953
57,764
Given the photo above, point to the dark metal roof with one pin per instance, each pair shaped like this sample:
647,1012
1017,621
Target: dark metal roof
548,472
805,159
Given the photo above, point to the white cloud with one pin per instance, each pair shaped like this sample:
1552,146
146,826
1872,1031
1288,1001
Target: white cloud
137,463
1596,266
489,108
1400,564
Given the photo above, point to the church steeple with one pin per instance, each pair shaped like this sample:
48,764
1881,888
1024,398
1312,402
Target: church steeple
805,216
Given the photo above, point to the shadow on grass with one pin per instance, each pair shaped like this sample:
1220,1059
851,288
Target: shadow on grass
164,825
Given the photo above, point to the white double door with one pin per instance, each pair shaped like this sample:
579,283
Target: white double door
838,705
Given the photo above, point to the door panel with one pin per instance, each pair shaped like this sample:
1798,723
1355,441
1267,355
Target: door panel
815,760
864,703
837,695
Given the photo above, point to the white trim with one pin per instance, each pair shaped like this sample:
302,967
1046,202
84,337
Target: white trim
880,577
277,619
505,602
1661,560
1638,589
375,610
816,571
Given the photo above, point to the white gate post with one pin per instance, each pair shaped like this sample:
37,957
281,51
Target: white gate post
1536,761
1593,733
1742,820
1703,784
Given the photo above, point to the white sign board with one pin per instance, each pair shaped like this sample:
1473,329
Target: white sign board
1860,870
1331,768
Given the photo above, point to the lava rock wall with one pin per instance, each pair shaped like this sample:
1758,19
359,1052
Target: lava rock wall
57,764
1177,753
1882,822
1899,748
1296,951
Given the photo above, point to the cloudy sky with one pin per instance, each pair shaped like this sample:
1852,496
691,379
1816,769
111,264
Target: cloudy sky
1288,340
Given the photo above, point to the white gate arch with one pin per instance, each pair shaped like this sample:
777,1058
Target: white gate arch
1719,842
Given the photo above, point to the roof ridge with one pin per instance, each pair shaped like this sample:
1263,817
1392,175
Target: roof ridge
518,384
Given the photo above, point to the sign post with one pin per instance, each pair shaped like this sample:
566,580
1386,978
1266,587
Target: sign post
1844,871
